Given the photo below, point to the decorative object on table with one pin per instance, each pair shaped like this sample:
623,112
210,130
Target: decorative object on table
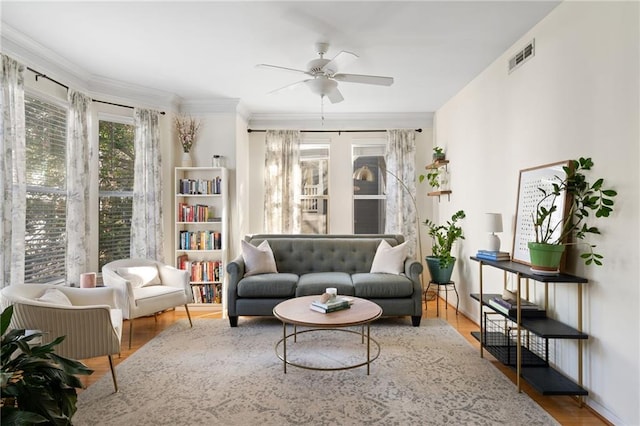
187,128
38,386
493,224
88,280
217,161
493,255
328,303
554,206
441,261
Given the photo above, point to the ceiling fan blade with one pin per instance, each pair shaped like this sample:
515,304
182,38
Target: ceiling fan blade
288,86
339,61
281,68
364,79
335,96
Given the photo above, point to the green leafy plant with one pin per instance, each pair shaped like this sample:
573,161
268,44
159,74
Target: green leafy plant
432,178
584,198
438,153
38,386
444,236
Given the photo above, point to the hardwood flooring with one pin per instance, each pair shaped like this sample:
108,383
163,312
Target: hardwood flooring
564,409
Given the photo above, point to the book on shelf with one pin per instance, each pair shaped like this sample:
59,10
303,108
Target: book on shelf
513,312
512,303
493,255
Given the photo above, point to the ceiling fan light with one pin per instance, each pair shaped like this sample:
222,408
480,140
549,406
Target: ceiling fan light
322,86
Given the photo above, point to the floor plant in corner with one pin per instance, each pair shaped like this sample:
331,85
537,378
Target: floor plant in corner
441,261
38,386
583,198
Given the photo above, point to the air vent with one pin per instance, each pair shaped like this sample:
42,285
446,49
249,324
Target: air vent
522,56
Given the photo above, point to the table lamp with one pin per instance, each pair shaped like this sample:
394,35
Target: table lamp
493,224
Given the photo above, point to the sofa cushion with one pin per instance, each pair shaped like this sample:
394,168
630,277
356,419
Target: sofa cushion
258,260
317,283
55,297
140,276
268,285
389,260
381,286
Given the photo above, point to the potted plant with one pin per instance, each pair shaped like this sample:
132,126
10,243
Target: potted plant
583,198
441,262
187,128
38,386
438,153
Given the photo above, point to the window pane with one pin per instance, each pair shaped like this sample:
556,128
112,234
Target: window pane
369,184
45,130
116,157
314,164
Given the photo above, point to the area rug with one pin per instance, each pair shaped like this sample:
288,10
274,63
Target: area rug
213,374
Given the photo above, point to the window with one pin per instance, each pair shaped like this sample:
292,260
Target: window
116,161
369,199
46,134
314,200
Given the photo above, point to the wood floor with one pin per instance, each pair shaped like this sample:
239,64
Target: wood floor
564,409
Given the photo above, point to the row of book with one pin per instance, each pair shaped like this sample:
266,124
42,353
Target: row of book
333,305
207,293
493,255
207,271
200,186
510,307
196,213
200,240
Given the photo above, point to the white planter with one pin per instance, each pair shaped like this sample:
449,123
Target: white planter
186,159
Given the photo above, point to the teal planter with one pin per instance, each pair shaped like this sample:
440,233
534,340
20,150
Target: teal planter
545,257
438,274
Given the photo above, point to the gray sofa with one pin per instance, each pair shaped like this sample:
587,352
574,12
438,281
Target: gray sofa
308,264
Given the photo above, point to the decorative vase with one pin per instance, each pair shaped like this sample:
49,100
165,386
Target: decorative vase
186,159
438,274
545,258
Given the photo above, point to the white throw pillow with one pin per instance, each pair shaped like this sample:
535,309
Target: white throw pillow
55,297
389,260
140,276
258,260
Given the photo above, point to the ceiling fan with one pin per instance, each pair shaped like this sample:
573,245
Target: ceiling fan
324,75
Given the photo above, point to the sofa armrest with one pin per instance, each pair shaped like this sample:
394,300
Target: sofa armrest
123,290
235,269
413,269
178,278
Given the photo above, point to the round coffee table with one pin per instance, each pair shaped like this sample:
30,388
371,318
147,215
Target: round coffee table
297,312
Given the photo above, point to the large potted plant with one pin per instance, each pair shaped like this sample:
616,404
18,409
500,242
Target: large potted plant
441,262
38,386
583,198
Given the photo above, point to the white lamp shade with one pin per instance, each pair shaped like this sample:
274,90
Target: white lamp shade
493,222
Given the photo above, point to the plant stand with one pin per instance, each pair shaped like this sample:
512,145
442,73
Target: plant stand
448,286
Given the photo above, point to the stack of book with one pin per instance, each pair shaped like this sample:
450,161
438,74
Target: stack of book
493,255
334,305
509,307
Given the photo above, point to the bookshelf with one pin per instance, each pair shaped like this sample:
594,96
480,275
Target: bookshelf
522,342
201,231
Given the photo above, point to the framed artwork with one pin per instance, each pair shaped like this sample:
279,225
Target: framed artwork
529,194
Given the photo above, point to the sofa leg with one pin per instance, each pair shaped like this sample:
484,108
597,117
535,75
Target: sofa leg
415,320
233,321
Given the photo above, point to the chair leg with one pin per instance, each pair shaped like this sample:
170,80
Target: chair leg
130,331
113,374
186,308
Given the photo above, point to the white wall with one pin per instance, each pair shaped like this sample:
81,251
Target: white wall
577,97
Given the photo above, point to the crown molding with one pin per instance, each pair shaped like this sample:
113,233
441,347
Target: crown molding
210,106
342,121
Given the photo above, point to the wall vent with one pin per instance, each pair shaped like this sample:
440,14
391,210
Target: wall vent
522,56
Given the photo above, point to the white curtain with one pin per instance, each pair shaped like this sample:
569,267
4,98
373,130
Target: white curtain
77,227
146,223
12,177
282,182
401,188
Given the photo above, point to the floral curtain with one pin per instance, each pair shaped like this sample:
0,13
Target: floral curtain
12,181
401,188
77,227
146,223
282,182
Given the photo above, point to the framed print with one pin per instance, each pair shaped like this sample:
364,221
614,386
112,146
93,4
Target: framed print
529,194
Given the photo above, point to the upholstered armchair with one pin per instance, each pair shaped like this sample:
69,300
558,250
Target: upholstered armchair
87,317
145,287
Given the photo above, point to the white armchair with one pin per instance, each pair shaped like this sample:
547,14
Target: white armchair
88,318
145,287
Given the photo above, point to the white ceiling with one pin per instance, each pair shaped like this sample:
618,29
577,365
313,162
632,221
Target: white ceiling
208,49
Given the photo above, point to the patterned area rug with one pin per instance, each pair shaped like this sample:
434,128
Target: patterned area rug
213,374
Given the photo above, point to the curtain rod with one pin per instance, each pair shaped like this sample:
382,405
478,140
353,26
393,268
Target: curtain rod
41,75
331,131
